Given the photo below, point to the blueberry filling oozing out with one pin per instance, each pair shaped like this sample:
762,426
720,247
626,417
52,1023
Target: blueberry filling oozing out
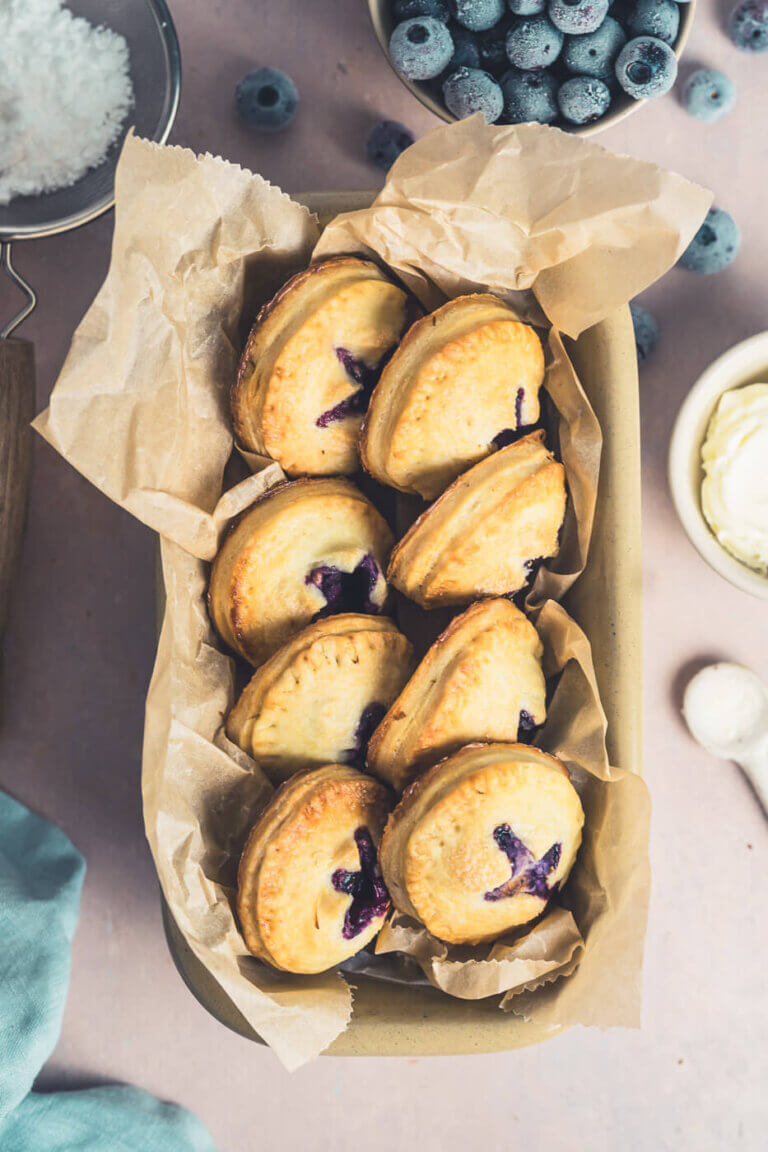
346,591
529,875
370,898
526,726
509,435
369,721
366,379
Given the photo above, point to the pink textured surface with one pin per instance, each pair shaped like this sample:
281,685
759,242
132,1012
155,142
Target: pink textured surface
80,645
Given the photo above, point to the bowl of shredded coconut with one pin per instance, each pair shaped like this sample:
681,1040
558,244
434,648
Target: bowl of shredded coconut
75,77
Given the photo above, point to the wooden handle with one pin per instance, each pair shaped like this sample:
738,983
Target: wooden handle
17,406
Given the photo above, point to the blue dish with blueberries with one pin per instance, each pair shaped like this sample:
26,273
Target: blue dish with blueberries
576,64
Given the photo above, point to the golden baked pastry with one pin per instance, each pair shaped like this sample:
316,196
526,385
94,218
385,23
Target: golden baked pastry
311,361
480,842
319,698
480,680
303,550
460,385
309,890
486,532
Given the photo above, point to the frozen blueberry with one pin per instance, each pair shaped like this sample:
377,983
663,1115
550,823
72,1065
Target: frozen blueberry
529,96
477,15
748,26
534,43
466,53
492,46
578,17
583,99
659,18
715,244
646,67
386,141
266,99
407,9
708,94
469,90
646,331
595,54
526,7
420,48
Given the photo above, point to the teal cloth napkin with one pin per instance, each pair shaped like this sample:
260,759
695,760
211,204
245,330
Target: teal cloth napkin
41,875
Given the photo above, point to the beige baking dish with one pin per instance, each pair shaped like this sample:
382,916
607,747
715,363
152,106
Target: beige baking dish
396,1020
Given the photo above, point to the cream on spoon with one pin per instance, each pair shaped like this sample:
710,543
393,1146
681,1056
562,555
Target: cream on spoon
726,709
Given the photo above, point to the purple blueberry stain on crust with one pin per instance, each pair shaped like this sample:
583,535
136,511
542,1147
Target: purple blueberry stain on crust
366,379
529,875
526,727
370,898
346,591
369,721
510,435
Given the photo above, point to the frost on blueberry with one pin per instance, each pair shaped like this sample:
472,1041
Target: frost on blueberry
370,898
468,90
748,26
708,94
529,96
646,67
478,15
577,17
659,18
583,99
534,43
595,54
420,48
529,875
714,246
267,99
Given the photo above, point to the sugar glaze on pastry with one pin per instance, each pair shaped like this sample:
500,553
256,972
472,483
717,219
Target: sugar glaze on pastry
311,362
310,892
305,549
319,698
480,842
480,680
460,384
485,533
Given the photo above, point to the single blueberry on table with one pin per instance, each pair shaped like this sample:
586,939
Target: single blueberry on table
477,15
346,591
714,246
407,9
466,51
646,331
420,48
646,67
370,898
659,18
595,54
529,97
468,90
386,141
266,99
578,17
526,7
708,94
534,43
369,721
748,26
529,875
583,99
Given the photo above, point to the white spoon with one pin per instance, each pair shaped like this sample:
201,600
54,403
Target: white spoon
726,708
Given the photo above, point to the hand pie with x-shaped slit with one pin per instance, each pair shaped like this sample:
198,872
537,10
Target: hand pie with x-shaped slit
310,893
480,680
305,549
480,842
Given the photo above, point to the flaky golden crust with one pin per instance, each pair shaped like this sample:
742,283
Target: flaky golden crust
266,581
459,378
294,900
482,535
480,680
292,396
479,843
317,699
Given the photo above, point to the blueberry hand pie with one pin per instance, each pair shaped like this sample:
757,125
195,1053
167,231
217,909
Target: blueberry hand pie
310,892
310,364
480,842
480,680
306,549
486,532
461,383
319,698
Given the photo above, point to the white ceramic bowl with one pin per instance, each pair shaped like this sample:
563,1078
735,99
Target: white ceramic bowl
746,363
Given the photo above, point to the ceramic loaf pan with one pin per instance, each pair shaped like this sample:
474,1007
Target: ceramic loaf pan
395,1020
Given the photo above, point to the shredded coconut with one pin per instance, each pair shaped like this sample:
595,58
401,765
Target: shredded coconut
65,92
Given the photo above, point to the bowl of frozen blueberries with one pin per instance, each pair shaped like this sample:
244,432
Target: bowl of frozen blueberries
577,64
